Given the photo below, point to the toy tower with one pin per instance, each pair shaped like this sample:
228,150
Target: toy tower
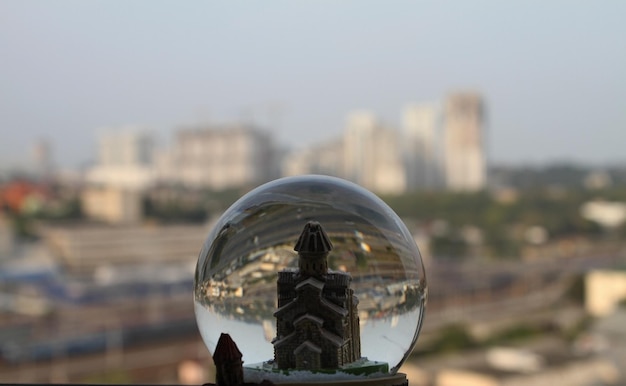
227,359
317,320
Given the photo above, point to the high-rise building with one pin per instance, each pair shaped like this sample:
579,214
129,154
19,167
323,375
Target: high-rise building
42,157
463,142
223,157
127,147
125,159
421,147
325,158
372,155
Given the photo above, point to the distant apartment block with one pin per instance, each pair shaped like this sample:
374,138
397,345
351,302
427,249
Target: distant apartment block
325,158
42,158
605,290
111,204
422,147
222,157
125,159
464,142
372,154
127,147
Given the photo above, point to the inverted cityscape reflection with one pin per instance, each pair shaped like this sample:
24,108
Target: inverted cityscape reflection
235,283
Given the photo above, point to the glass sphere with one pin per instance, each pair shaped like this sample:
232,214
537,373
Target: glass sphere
235,289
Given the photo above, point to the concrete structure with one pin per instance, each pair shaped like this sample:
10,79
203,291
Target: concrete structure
464,142
112,204
7,237
125,159
83,248
609,214
372,155
317,319
604,290
43,159
325,158
223,157
421,147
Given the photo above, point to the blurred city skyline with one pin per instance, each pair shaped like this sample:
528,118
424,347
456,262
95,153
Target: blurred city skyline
551,74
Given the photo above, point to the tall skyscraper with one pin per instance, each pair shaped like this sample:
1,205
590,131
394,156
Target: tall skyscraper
464,148
372,155
421,147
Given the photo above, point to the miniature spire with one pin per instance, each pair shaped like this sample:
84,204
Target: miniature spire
228,364
313,239
316,328
313,247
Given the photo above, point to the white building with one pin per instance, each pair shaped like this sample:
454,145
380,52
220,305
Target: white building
464,143
604,291
125,159
222,157
372,155
325,158
421,147
112,205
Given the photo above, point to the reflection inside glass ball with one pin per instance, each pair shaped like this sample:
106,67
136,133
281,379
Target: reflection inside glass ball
326,259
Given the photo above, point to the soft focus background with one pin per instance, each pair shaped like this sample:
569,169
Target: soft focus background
496,130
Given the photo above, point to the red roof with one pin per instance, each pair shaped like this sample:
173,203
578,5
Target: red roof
226,350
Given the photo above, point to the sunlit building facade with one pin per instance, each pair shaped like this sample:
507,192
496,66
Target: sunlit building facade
223,157
125,159
325,158
421,146
372,155
464,142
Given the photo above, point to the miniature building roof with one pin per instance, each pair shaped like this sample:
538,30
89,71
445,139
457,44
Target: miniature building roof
333,338
308,345
310,317
278,342
335,308
226,350
313,239
313,282
318,285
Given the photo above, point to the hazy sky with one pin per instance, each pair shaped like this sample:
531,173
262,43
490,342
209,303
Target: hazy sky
553,73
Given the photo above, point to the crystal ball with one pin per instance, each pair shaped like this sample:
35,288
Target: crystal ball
236,278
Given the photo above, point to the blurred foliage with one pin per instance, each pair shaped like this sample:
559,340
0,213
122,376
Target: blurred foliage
24,223
451,247
514,334
563,175
576,291
502,222
457,337
111,377
177,204
580,327
173,211
454,337
23,227
66,209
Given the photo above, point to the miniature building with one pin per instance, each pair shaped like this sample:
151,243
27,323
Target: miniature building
228,364
317,319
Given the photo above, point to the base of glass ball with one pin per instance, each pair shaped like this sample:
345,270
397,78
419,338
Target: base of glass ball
365,372
399,379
